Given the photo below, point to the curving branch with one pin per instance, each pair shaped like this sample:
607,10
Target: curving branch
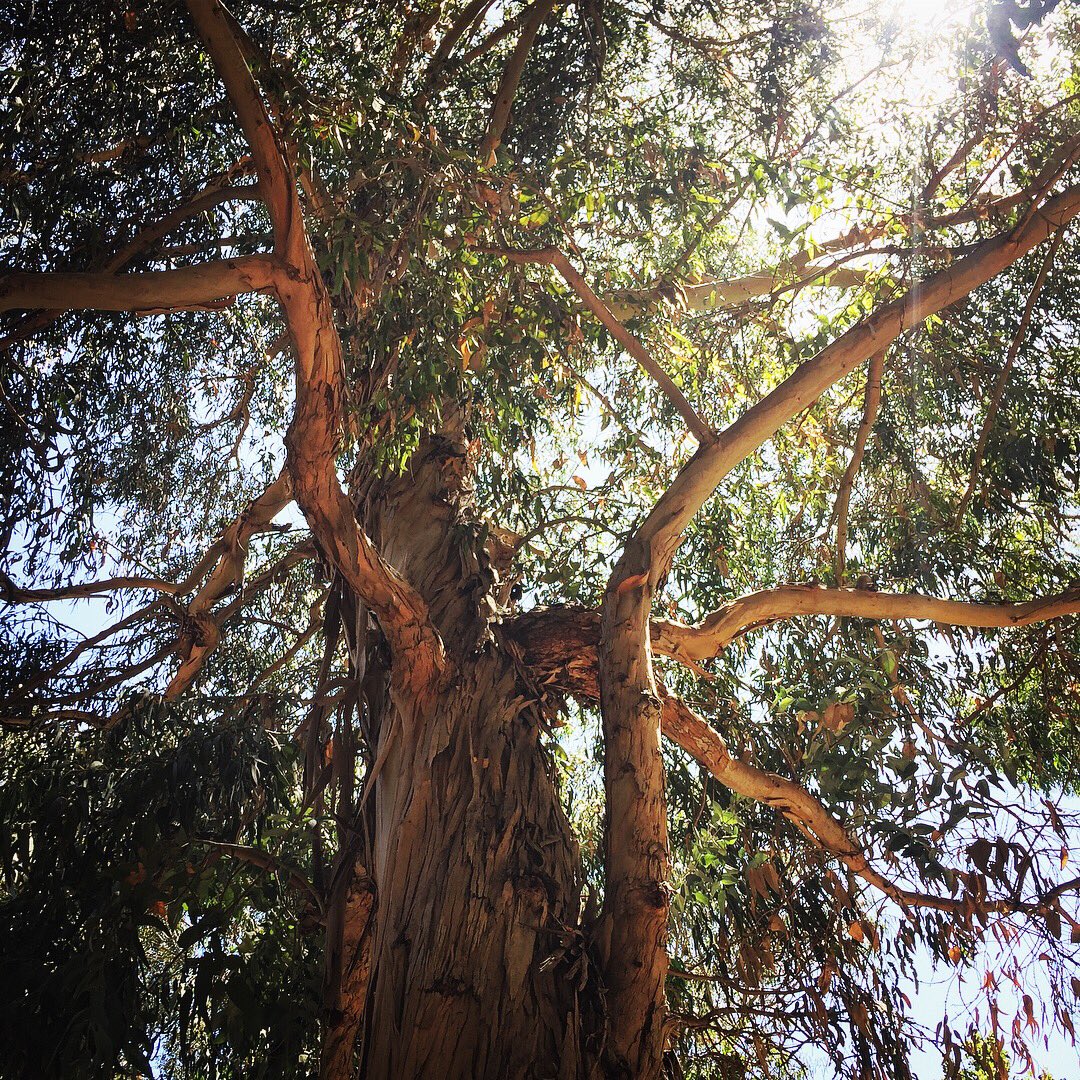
13,594
313,436
200,628
552,256
716,631
559,646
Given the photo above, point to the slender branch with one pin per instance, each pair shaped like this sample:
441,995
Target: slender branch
536,13
471,13
271,863
554,257
13,594
843,497
998,390
718,295
801,271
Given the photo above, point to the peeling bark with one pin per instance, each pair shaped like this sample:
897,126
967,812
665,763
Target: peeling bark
477,871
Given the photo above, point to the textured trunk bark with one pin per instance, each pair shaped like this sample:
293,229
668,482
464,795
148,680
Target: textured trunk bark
477,965
478,887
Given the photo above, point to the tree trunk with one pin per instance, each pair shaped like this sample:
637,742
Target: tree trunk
477,877
477,960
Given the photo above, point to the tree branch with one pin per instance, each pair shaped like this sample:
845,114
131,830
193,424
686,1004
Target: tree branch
271,863
661,532
998,390
13,594
559,646
695,643
554,257
154,292
312,438
843,497
269,154
718,295
536,13
213,194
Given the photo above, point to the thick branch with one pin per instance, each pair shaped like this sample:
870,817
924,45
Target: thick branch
312,439
695,643
214,194
559,647
271,164
661,532
206,285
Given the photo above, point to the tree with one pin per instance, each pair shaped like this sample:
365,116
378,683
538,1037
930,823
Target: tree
390,392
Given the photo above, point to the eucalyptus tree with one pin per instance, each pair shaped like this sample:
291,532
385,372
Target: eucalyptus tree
538,536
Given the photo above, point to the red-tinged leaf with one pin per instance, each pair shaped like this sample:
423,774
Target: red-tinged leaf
980,853
837,716
1029,1012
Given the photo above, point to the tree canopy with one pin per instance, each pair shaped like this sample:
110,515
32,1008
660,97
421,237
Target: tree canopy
636,440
